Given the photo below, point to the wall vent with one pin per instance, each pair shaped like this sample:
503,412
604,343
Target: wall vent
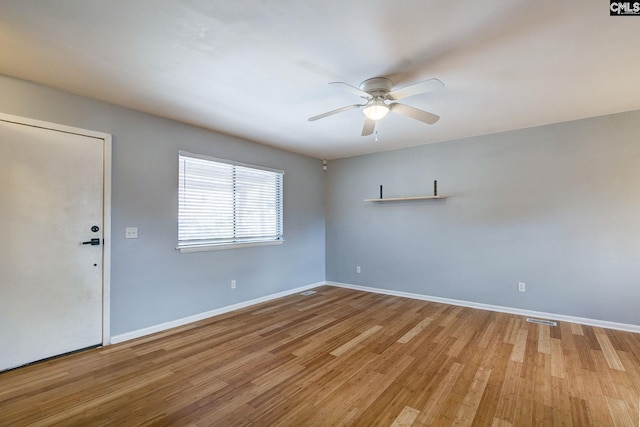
541,321
307,293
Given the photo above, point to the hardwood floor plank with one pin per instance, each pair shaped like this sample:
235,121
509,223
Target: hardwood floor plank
561,404
583,349
406,417
355,341
508,399
620,414
380,383
520,343
576,329
609,352
90,402
414,331
467,411
497,360
514,324
340,357
596,399
465,332
384,410
580,412
557,359
431,410
544,339
488,332
497,422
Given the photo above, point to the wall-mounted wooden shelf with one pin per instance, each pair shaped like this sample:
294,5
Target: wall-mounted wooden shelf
404,199
399,199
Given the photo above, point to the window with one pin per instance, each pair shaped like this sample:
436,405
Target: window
221,203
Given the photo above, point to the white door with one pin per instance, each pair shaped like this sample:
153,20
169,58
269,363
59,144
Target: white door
51,201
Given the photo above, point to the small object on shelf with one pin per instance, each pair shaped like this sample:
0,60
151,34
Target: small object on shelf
381,191
435,187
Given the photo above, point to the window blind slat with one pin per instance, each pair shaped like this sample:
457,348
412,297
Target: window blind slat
225,203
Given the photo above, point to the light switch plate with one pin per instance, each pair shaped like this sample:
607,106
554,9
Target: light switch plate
131,233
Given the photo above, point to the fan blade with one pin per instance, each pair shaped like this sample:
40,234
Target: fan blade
414,89
414,113
331,113
369,126
352,89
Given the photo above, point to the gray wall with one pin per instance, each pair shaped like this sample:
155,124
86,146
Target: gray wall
151,282
556,207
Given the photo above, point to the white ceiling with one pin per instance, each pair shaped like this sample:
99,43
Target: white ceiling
258,68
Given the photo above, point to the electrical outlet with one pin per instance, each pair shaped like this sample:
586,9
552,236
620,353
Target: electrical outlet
131,232
521,287
358,269
233,284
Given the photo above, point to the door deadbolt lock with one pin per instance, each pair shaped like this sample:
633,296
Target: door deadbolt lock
95,228
92,242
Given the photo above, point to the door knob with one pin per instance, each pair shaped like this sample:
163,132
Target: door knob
92,242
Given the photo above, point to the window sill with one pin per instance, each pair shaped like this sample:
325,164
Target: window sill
206,248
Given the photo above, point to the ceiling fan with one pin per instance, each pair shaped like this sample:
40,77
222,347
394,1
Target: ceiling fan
378,90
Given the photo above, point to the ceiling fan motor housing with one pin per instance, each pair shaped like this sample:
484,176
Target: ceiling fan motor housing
377,86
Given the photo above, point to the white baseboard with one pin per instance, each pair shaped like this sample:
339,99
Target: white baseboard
501,309
498,308
196,317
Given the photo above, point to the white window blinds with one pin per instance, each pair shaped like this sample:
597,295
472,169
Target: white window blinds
222,202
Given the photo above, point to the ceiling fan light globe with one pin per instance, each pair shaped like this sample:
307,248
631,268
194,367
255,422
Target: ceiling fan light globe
376,110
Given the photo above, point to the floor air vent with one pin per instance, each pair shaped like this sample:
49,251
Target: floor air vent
306,293
541,321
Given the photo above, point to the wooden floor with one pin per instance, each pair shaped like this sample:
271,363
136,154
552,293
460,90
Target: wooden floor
340,357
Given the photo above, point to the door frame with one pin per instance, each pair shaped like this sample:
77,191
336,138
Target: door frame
106,206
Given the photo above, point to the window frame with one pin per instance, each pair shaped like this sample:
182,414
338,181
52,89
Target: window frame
187,247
